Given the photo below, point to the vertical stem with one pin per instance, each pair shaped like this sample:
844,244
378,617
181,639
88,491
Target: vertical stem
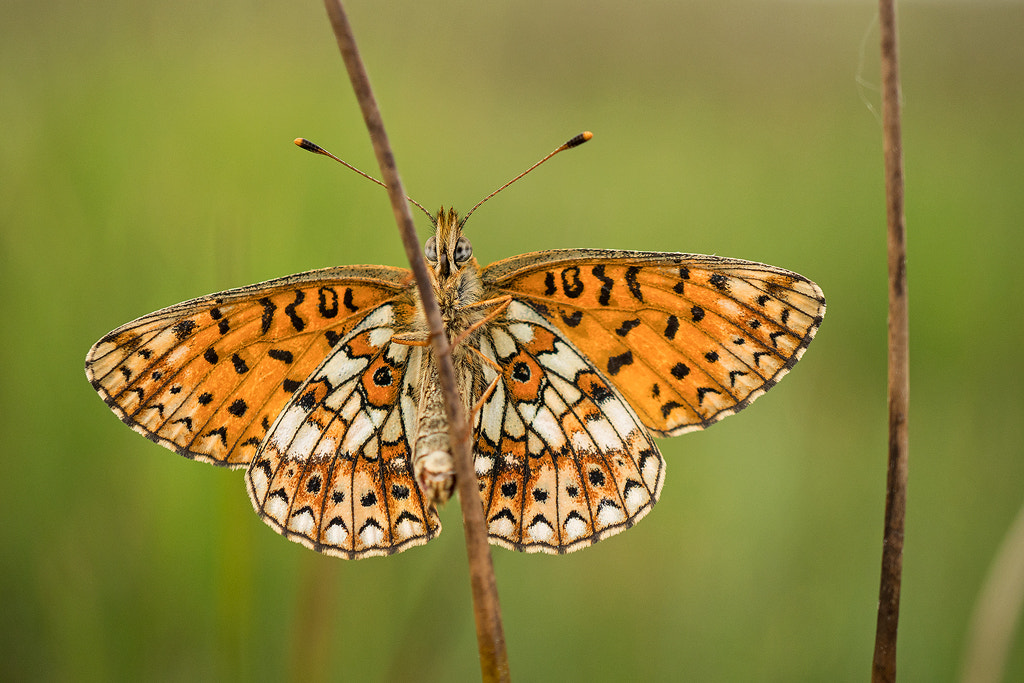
884,664
490,632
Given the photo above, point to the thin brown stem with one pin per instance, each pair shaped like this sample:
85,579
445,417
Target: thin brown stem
490,633
884,663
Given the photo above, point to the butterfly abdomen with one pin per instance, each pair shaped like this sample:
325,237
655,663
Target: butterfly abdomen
432,459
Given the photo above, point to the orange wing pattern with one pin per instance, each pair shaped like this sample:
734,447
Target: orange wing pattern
562,459
207,377
686,339
335,471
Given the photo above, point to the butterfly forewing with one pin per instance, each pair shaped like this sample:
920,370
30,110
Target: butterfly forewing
207,377
561,458
686,339
335,471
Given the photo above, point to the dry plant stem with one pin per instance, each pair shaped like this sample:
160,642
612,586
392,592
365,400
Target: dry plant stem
884,664
490,633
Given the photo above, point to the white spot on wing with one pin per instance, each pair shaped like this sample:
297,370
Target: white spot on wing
502,526
277,508
326,448
336,534
619,416
605,438
548,428
305,441
528,411
392,430
491,415
514,426
302,523
650,470
554,401
582,443
286,427
568,391
533,444
522,332
371,534
729,309
259,482
408,528
608,514
358,432
483,465
342,393
574,528
636,497
503,344
541,531
174,356
340,368
565,362
351,408
380,336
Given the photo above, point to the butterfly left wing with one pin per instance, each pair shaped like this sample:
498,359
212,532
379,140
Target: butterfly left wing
335,471
206,377
562,460
687,339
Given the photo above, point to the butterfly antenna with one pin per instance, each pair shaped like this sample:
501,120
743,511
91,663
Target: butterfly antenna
317,149
575,142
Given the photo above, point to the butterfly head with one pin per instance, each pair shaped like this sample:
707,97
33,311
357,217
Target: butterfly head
448,251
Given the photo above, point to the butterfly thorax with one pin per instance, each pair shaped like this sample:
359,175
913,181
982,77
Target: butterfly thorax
458,287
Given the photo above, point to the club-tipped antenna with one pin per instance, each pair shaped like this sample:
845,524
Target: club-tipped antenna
575,142
317,149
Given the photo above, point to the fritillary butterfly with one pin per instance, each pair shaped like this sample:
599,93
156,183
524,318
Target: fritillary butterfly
570,361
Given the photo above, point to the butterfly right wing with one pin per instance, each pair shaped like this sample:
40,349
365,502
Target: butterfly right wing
206,377
335,471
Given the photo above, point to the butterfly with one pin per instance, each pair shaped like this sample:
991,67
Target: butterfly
569,362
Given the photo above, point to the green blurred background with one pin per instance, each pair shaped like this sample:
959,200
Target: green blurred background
146,158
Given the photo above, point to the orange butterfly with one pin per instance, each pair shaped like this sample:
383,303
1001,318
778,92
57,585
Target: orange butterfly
321,384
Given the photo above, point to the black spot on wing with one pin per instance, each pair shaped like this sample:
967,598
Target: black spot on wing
184,329
572,285
347,300
604,296
282,355
719,282
671,327
327,302
549,283
626,326
297,322
268,314
633,284
615,363
240,365
572,320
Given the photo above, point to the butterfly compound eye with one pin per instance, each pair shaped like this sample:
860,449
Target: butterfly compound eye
463,250
430,249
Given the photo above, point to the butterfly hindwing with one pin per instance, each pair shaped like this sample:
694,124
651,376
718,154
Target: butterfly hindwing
207,377
561,458
686,339
335,471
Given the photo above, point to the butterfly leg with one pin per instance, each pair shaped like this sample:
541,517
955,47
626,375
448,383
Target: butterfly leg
410,339
499,304
489,390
